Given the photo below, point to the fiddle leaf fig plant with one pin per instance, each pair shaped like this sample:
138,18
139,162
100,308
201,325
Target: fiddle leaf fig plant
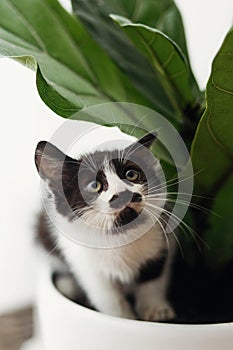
135,51
212,157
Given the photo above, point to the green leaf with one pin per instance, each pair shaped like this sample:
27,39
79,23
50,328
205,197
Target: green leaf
212,148
212,156
95,15
165,58
66,55
163,15
59,104
219,236
72,75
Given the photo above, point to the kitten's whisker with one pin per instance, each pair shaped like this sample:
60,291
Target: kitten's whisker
183,202
180,222
174,235
172,232
184,194
53,249
160,186
160,224
80,212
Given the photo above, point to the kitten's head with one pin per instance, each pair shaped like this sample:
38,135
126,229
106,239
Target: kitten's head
106,189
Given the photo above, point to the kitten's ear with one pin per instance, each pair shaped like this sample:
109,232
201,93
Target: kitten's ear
148,140
48,159
52,164
140,146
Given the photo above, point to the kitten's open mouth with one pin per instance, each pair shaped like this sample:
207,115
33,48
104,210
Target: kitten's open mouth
137,207
128,214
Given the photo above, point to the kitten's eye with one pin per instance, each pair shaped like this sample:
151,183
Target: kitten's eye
94,186
132,175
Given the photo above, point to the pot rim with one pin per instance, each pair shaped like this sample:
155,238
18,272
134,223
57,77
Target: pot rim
46,281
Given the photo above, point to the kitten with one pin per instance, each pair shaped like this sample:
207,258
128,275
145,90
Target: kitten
108,198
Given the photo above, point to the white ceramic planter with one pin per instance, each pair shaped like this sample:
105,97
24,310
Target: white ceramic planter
66,325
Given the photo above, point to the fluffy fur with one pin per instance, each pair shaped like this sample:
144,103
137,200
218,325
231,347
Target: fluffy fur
110,202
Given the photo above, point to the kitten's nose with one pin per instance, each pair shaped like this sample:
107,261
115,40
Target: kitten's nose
123,198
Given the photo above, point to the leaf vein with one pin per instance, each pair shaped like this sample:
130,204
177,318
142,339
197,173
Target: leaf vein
28,24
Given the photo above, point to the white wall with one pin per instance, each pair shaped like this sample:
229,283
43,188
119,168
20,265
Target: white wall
25,120
206,23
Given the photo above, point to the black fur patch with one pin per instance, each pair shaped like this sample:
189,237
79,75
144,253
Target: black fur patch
152,269
44,236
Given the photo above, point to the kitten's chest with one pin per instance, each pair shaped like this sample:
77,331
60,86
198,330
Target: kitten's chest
122,263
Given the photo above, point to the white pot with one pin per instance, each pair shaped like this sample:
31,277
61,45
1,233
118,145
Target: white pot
66,325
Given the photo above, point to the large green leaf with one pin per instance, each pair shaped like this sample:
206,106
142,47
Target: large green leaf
164,56
71,63
219,235
163,15
212,156
95,15
212,148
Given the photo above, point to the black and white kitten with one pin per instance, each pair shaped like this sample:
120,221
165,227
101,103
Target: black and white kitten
106,194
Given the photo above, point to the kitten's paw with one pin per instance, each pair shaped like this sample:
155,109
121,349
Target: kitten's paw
128,314
159,311
119,308
123,312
